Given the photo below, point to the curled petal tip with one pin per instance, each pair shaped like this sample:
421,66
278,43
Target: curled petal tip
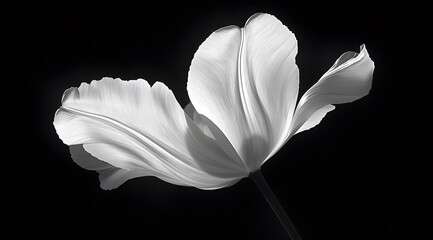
349,79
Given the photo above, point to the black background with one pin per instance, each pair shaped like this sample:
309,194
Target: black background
360,174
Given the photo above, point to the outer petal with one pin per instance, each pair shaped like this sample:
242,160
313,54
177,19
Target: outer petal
245,81
135,127
348,79
316,118
110,177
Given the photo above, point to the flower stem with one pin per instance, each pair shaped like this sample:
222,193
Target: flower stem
263,186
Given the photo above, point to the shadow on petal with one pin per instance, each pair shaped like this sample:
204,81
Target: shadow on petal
223,165
86,160
255,149
110,177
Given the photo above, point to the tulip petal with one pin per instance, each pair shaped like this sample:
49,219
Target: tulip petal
316,118
109,176
349,79
245,81
142,130
86,160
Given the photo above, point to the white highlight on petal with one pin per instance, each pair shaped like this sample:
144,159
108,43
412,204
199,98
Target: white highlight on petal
245,81
349,79
133,126
243,85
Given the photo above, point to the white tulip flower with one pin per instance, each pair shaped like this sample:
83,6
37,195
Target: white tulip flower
243,85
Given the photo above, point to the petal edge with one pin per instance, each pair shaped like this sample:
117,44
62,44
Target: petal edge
349,79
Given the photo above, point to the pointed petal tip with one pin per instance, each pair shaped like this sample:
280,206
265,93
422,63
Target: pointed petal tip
350,61
349,79
363,49
368,66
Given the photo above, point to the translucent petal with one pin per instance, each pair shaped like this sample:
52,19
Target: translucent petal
110,177
347,80
245,81
133,126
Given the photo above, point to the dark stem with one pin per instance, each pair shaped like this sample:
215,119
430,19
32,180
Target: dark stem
263,186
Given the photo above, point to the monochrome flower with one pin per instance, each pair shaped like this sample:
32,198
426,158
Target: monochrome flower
243,85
